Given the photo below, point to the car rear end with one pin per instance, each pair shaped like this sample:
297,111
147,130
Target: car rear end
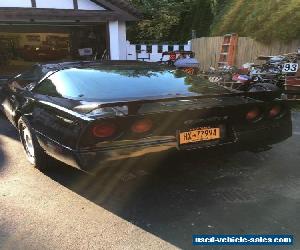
160,127
134,111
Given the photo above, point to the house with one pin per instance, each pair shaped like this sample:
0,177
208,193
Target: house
60,28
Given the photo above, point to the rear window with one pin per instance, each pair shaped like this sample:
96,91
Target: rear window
120,84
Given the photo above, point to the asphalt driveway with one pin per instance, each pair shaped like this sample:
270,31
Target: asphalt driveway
145,205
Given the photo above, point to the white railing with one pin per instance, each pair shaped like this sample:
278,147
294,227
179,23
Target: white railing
152,53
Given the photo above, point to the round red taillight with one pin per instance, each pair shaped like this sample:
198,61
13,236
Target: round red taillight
253,115
104,130
275,111
142,126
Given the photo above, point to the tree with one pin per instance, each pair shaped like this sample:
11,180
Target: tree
174,20
162,19
197,16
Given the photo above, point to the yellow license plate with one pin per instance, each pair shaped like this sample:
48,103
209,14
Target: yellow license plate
199,135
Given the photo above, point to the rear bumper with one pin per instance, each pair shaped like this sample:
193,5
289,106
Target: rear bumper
113,154
263,135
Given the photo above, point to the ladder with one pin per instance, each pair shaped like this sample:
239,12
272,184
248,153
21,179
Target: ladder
229,50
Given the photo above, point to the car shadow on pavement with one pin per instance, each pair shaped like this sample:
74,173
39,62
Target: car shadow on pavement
2,157
172,198
8,131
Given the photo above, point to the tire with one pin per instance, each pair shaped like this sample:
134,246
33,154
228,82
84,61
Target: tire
34,153
264,87
260,87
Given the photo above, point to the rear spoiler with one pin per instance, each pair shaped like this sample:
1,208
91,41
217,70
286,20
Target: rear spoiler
262,95
134,105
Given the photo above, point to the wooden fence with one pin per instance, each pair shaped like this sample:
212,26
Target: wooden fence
207,50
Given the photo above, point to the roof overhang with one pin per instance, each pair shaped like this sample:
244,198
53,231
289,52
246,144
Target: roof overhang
39,15
115,10
121,6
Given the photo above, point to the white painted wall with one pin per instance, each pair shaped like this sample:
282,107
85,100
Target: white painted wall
55,4
155,56
122,40
117,39
15,3
88,5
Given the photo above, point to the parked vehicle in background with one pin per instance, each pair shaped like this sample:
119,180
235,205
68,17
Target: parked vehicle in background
275,69
94,114
43,53
184,60
292,85
270,75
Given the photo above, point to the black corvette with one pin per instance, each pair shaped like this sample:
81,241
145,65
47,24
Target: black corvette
90,114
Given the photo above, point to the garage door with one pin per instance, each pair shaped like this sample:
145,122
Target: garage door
20,44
